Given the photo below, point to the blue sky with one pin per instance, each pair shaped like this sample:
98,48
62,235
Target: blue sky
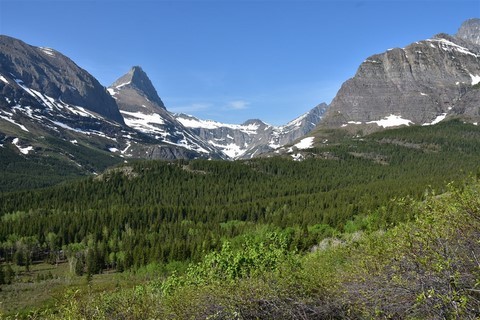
231,60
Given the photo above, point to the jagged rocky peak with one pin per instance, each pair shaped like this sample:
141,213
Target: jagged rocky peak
137,79
470,31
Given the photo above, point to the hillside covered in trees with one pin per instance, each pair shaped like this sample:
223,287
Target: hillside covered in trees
248,229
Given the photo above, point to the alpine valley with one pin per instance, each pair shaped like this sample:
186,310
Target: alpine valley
54,113
113,207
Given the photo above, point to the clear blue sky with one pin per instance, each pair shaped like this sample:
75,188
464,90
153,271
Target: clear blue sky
231,60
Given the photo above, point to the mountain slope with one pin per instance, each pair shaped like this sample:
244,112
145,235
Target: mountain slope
55,114
144,111
54,75
418,84
253,137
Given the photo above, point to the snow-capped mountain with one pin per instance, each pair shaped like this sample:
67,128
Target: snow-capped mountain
52,74
51,107
253,137
46,100
144,111
423,83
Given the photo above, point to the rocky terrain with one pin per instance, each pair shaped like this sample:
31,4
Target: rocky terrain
144,111
46,100
419,84
253,137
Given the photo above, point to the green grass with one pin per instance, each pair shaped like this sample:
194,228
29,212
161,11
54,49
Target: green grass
28,294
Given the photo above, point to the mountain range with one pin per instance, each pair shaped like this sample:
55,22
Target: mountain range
51,107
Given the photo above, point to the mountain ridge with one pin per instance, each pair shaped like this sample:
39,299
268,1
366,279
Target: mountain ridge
44,93
418,84
53,74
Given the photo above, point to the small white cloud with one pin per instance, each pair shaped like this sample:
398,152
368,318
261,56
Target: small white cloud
238,105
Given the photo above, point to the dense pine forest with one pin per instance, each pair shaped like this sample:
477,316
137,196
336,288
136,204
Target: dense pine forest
234,226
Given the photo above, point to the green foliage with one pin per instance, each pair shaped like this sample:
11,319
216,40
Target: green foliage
247,227
59,162
252,258
425,268
159,212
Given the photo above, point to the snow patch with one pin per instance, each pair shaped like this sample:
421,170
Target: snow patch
436,120
209,124
391,121
15,123
231,150
129,144
144,122
475,79
65,126
52,103
297,122
94,132
81,111
73,141
351,122
48,51
113,149
123,84
298,157
3,79
22,150
447,45
305,143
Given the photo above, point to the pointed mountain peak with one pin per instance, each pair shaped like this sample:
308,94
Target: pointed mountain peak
257,122
138,80
470,31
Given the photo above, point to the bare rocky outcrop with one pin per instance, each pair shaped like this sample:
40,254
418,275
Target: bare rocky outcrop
419,83
470,31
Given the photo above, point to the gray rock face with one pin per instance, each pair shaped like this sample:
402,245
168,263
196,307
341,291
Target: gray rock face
470,31
416,84
253,137
53,74
137,82
468,107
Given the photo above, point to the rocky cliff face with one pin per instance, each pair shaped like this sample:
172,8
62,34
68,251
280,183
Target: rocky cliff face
136,92
253,137
470,31
54,75
418,84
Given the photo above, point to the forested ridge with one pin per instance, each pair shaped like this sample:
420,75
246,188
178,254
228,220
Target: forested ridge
158,212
